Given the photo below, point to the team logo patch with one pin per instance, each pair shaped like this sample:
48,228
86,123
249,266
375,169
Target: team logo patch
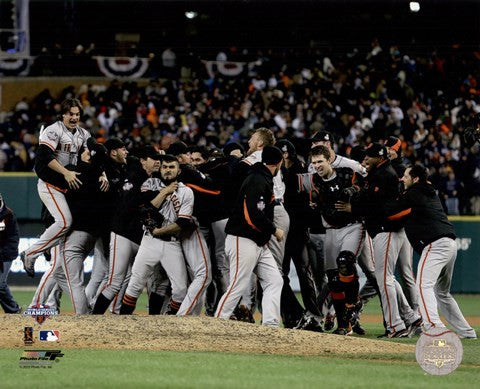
40,312
52,135
261,205
49,336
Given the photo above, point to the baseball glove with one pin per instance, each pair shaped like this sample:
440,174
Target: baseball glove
187,230
150,217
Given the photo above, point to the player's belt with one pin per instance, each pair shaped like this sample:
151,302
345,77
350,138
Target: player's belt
167,238
277,202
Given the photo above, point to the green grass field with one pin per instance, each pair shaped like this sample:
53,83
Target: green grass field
139,369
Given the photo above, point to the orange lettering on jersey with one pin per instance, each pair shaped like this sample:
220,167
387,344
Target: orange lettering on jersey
175,202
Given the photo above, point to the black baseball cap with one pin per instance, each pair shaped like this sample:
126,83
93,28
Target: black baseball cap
177,148
113,144
357,153
394,143
271,155
98,152
149,152
232,146
376,150
286,146
322,136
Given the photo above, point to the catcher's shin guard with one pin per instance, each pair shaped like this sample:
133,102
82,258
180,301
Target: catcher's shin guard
338,296
348,277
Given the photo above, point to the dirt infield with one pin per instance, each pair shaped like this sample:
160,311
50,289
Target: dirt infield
186,334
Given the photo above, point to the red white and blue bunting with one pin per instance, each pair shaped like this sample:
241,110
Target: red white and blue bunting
226,68
115,67
15,66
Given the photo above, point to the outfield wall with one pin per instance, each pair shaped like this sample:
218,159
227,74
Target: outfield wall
20,193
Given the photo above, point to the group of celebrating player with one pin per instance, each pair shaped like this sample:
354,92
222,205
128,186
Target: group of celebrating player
218,230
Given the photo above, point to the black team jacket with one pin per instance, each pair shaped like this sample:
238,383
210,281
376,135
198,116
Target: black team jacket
252,213
422,212
381,188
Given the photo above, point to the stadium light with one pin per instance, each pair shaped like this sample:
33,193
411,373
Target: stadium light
191,14
414,6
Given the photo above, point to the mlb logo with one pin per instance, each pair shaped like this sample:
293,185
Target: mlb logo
49,335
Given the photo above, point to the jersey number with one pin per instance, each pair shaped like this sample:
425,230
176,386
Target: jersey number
67,147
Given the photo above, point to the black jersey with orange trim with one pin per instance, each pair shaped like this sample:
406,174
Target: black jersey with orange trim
205,191
422,212
252,214
381,187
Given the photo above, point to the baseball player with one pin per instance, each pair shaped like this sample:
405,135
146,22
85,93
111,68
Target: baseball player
9,238
88,208
249,229
59,146
382,187
433,237
115,169
175,203
127,229
296,250
261,138
344,232
317,231
405,257
194,247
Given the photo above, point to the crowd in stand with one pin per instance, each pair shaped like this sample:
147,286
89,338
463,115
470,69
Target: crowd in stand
361,97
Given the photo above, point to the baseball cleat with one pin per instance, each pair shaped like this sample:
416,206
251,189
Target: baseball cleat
343,331
415,328
309,323
398,334
28,264
329,322
358,329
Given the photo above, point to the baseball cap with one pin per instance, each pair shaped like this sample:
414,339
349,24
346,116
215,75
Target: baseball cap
113,144
394,143
357,153
271,155
232,146
322,135
286,146
149,152
98,152
177,148
376,150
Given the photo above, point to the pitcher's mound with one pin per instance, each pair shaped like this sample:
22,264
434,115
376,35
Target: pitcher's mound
172,333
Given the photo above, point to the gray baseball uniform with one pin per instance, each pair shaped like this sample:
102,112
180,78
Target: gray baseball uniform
168,252
434,277
197,257
65,146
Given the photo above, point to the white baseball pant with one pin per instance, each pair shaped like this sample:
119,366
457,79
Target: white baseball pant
169,254
57,205
122,254
197,257
246,257
405,268
434,277
386,246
